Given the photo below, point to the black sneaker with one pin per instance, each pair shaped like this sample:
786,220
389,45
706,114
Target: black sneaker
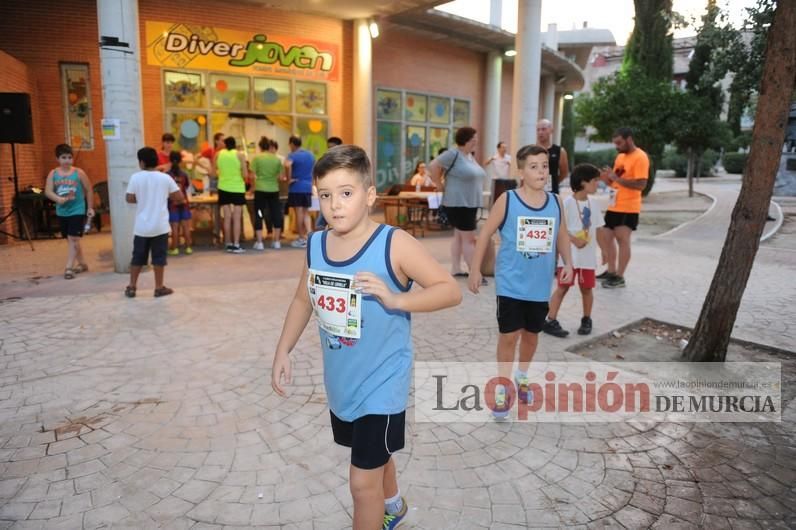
552,327
230,247
585,326
614,282
605,275
237,249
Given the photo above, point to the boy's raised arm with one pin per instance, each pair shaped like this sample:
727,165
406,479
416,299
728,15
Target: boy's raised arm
298,315
411,260
496,215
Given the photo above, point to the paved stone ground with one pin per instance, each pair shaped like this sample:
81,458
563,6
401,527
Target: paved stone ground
157,413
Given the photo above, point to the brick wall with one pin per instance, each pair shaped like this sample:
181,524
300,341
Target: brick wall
16,77
407,61
42,35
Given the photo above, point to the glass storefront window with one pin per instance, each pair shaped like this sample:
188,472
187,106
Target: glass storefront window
272,95
189,128
229,92
461,113
416,107
310,98
439,110
184,90
388,105
415,149
313,133
438,138
388,154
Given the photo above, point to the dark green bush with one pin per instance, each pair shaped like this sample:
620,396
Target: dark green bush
599,158
679,162
734,162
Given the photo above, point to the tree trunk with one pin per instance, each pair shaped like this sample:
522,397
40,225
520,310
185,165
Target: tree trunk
690,171
713,329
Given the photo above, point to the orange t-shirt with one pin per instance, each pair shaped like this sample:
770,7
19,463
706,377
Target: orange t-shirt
632,166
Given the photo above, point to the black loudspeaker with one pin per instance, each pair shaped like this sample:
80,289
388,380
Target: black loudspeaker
16,119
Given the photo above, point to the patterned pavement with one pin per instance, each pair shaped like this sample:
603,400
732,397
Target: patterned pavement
157,413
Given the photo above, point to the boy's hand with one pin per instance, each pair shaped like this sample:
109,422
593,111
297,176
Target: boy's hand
281,366
371,284
474,281
567,274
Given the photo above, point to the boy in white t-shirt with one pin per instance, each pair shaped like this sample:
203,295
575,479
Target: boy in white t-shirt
150,190
583,218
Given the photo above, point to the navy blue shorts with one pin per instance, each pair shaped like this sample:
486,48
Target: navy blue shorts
144,246
181,213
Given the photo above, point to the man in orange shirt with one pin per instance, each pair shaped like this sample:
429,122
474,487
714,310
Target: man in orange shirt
628,178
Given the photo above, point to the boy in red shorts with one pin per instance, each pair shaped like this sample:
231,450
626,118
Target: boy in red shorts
583,218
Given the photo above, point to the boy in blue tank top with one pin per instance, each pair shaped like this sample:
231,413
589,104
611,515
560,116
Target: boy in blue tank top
356,281
69,188
532,233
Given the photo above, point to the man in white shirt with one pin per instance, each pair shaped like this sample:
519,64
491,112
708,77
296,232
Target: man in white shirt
498,168
150,190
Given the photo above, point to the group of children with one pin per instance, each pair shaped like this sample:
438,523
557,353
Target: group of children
360,271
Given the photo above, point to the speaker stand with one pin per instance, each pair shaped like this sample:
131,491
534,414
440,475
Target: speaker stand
14,208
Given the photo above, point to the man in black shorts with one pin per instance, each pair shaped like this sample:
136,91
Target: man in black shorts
627,179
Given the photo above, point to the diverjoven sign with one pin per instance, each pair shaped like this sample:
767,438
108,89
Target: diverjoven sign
201,47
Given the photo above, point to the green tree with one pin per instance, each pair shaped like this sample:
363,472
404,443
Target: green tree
632,99
747,59
568,128
697,125
650,44
713,330
640,94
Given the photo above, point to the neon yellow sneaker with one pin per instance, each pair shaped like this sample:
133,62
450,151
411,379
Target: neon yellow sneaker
502,404
188,251
173,252
392,521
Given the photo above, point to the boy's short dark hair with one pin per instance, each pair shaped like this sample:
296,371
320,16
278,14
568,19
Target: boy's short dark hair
529,150
464,135
264,143
217,136
582,173
624,132
294,140
168,137
149,157
274,144
229,142
499,144
350,157
334,141
63,149
175,157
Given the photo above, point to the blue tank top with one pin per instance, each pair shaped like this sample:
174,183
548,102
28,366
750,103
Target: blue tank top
372,374
63,185
526,275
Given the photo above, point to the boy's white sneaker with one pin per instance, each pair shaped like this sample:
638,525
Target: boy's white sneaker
258,246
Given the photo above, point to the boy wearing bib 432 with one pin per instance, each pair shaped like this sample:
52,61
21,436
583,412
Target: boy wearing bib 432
357,282
532,233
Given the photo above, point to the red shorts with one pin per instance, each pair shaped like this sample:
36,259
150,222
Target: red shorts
586,279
